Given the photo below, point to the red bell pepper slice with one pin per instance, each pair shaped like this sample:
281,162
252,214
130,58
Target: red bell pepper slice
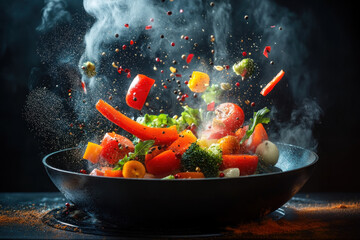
162,136
267,50
272,83
138,91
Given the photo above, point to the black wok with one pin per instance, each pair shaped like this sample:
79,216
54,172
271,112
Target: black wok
149,202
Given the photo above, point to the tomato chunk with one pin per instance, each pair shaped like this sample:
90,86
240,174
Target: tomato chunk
115,147
229,116
138,91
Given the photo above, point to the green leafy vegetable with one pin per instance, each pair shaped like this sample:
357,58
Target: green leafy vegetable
188,117
141,149
259,117
214,93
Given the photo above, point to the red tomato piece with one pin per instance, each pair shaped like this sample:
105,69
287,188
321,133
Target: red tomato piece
229,116
115,147
247,164
267,50
163,164
138,91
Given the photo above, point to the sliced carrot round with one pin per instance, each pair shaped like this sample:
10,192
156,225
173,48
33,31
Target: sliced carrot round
133,169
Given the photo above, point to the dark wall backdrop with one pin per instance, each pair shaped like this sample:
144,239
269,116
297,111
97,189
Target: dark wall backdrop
334,54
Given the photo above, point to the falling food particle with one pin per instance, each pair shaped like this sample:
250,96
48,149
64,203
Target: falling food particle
246,17
148,27
186,38
183,56
212,38
83,87
89,69
266,51
124,47
126,25
103,54
212,4
189,58
114,65
157,59
244,54
131,42
178,75
151,20
173,70
272,26
128,75
117,50
252,104
247,102
169,13
155,68
218,68
237,84
225,86
173,44
116,35
181,10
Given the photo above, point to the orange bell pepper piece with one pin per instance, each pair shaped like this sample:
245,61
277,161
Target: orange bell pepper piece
162,136
92,152
199,82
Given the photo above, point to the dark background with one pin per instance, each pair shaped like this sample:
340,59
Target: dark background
334,53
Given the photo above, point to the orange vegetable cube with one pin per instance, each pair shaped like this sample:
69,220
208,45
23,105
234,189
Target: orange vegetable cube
199,82
92,152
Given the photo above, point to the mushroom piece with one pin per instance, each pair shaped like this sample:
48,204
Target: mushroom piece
268,153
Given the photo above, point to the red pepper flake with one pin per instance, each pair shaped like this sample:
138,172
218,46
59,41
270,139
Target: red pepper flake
83,86
186,82
186,37
162,71
131,42
178,75
227,67
272,26
124,47
128,75
244,54
126,25
267,50
173,44
211,107
127,70
252,104
148,27
157,59
186,95
120,69
165,86
237,84
182,98
189,58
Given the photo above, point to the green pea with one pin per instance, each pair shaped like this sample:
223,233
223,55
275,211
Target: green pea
245,68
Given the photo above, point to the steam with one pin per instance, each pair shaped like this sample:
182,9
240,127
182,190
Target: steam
53,13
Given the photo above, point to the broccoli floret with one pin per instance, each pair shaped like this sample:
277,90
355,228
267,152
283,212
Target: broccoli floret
197,157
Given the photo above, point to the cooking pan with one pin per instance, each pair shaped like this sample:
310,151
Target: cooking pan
181,202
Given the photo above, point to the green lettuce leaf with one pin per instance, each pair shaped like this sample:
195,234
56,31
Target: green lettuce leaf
259,117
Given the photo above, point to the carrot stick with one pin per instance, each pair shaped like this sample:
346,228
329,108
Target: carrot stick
272,83
162,136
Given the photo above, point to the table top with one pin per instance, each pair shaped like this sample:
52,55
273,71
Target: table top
305,216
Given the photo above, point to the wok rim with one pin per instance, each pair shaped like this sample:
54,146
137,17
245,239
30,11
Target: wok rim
316,158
